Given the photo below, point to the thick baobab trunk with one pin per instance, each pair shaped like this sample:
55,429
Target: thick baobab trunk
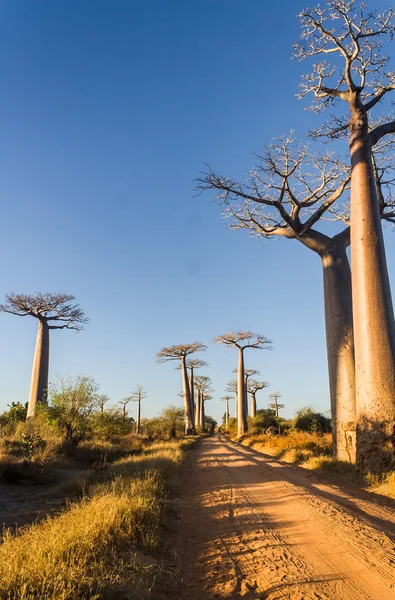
245,396
340,349
192,395
198,414
253,405
242,426
138,419
39,381
202,412
189,428
374,327
227,415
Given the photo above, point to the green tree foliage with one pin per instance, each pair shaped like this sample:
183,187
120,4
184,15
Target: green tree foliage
314,422
71,404
169,425
10,418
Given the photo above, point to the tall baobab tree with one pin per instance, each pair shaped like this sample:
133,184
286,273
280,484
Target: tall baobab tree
242,340
226,399
274,405
137,396
351,37
253,387
181,352
52,311
289,191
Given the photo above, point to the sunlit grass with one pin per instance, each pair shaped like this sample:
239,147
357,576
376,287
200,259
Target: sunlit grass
82,552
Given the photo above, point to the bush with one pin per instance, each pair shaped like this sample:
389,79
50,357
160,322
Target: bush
308,420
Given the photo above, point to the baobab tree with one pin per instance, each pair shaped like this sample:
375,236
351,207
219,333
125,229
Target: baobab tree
226,399
253,387
137,396
232,388
52,311
192,365
203,388
124,404
101,400
181,352
288,192
274,405
247,373
351,37
242,340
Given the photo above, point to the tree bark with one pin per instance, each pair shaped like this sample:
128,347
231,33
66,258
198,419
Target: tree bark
189,428
226,415
253,405
340,350
192,396
39,381
374,327
202,411
138,419
242,426
245,395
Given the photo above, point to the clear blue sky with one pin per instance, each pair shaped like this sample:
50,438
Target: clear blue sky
107,112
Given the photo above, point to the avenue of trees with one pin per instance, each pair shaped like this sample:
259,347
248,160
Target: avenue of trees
294,187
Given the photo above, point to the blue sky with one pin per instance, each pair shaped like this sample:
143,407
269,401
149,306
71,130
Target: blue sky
108,111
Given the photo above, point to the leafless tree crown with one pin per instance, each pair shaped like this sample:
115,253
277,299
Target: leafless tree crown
180,351
244,339
349,38
253,385
47,307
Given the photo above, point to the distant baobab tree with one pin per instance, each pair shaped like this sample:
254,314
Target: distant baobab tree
242,340
101,400
137,396
226,399
52,311
350,67
181,352
124,404
202,384
247,374
232,388
253,386
192,365
274,405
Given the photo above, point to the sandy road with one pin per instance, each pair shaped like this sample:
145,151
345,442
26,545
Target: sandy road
254,528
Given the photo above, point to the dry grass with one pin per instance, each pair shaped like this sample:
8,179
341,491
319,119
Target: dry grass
295,447
92,548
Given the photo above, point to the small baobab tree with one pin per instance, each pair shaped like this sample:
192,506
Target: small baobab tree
253,387
232,388
124,404
345,40
52,311
274,405
101,401
181,352
138,395
242,340
226,399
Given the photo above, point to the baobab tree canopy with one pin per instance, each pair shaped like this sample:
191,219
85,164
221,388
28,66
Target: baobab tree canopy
47,307
244,339
179,351
53,311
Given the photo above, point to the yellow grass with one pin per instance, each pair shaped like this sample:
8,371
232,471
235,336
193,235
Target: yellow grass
82,552
296,446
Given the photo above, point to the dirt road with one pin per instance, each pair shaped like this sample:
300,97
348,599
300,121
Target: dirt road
254,528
